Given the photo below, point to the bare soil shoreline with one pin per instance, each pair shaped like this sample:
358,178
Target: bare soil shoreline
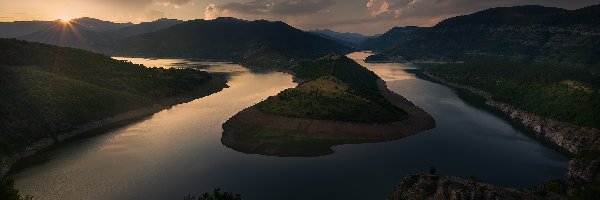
252,131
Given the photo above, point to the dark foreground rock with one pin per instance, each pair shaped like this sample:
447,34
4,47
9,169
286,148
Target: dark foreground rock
426,186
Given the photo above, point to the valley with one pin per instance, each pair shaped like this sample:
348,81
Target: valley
300,100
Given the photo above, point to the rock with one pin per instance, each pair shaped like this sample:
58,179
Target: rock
426,186
581,170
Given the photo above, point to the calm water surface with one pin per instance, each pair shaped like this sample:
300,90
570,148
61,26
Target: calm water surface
178,151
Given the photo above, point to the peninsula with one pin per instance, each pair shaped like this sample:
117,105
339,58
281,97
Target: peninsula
337,102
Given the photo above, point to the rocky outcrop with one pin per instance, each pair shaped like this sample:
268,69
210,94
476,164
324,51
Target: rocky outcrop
426,186
574,139
583,170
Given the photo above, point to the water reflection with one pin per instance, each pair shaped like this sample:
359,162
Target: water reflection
178,152
387,71
208,66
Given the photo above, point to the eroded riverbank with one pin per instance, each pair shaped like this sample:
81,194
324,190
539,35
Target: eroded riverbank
252,131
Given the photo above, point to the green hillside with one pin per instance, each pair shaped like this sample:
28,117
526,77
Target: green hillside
520,33
566,93
257,43
48,90
336,88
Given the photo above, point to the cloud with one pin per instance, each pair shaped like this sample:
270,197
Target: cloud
144,3
211,11
174,3
390,9
274,7
154,14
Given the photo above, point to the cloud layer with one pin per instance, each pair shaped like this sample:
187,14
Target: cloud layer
269,7
365,16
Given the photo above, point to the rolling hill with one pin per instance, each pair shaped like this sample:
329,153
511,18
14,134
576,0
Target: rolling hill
48,91
521,33
347,38
253,43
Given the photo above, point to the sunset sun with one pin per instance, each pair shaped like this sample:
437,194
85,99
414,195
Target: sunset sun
65,20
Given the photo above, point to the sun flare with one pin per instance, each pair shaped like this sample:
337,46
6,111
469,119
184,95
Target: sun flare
65,20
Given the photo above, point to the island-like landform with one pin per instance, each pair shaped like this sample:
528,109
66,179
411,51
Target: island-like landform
337,102
53,93
538,65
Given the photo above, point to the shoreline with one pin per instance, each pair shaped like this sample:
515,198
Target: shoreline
7,161
571,138
296,130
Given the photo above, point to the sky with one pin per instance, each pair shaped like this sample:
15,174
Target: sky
363,16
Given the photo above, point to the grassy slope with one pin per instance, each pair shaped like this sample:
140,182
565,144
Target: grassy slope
564,93
337,88
47,90
40,102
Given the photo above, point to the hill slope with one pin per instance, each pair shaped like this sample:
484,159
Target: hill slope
255,43
20,28
145,27
348,39
391,38
339,102
48,90
523,33
337,88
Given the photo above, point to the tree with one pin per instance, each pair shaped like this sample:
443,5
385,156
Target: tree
432,170
216,195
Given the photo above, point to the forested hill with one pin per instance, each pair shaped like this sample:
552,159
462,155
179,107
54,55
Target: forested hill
567,94
335,88
47,90
255,43
391,38
531,33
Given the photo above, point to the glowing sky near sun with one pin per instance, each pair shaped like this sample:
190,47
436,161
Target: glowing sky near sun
364,16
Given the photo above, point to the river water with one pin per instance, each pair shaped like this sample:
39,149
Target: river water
178,151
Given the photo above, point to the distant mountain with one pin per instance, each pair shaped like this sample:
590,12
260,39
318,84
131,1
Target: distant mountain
71,34
92,34
391,38
23,28
145,27
527,33
20,28
255,43
348,38
99,25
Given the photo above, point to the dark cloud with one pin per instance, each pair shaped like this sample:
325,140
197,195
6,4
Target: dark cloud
436,8
276,7
144,3
154,14
367,16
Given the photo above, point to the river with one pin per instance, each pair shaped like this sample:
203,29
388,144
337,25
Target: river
178,151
